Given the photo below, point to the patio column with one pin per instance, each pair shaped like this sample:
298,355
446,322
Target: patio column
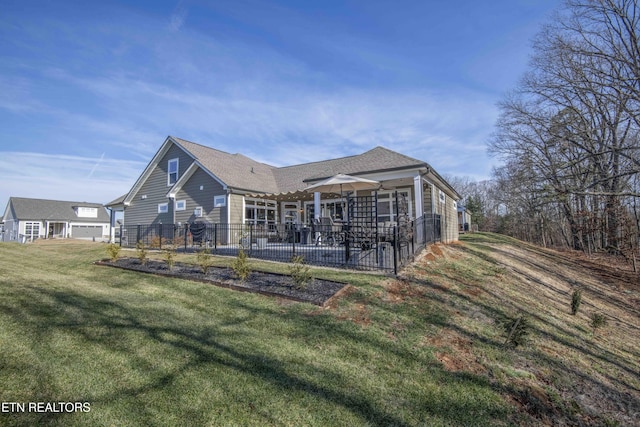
419,195
316,205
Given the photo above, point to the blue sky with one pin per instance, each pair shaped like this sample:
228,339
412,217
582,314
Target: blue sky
89,90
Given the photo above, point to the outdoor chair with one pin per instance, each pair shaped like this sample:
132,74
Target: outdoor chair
326,231
282,233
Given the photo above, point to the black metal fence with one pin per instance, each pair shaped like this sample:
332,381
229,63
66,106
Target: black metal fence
353,245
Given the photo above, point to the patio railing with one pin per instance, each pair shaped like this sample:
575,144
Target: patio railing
384,248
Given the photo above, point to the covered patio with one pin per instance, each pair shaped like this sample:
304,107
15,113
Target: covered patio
361,242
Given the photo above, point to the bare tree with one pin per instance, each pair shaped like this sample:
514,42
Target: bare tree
572,126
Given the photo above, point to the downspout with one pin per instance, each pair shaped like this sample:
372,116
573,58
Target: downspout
172,203
228,227
111,239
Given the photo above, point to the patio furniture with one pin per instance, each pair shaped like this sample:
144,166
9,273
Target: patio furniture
326,231
283,233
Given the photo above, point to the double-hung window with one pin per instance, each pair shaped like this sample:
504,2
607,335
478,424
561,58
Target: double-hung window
172,172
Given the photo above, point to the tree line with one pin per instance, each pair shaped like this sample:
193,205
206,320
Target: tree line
569,136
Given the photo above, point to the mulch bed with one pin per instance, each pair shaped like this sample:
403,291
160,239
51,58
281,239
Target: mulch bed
317,291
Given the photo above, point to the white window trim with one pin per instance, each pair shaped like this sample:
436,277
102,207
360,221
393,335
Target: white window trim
163,208
177,162
87,212
198,212
392,201
183,203
35,228
219,201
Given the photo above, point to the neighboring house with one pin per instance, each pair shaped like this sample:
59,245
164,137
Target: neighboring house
464,219
31,219
187,182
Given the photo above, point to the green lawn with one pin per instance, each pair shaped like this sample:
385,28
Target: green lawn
146,350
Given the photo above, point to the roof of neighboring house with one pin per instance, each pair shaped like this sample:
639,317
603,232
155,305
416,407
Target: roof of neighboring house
52,210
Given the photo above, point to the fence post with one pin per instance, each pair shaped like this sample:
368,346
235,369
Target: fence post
160,231
396,249
293,238
424,229
346,232
215,236
250,237
121,229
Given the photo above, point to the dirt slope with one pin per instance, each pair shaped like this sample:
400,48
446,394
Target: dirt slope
567,373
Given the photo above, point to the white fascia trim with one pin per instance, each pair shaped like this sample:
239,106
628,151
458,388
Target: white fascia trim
151,166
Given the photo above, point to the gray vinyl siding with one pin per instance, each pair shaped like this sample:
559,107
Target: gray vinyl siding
155,188
449,216
194,197
10,230
10,214
450,232
236,208
427,196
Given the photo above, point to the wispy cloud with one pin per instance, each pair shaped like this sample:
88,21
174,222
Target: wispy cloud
178,17
59,177
294,126
96,166
118,90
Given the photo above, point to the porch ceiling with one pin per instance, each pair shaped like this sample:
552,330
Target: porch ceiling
302,195
290,196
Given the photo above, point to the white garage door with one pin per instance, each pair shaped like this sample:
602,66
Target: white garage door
84,231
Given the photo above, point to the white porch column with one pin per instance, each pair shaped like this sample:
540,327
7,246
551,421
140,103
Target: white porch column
419,196
316,205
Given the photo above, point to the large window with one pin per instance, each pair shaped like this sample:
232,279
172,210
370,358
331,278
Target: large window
172,172
32,230
260,212
387,205
328,208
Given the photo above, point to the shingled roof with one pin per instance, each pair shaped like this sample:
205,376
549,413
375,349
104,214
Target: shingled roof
378,159
235,170
239,171
242,173
51,210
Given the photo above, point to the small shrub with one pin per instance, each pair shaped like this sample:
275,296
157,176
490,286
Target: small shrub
576,299
598,321
156,242
141,252
178,241
516,330
299,272
240,266
113,250
170,257
204,260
